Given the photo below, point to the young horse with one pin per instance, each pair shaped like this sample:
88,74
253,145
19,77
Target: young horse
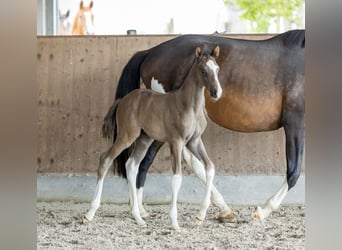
263,90
84,21
176,118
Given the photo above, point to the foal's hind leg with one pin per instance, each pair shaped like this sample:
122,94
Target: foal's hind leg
106,160
132,165
141,178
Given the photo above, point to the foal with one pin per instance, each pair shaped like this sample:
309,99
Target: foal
176,118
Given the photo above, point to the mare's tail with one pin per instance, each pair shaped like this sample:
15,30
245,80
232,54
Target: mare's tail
129,80
130,76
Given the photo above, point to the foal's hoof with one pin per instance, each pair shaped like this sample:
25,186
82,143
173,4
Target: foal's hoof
258,214
144,215
141,223
198,220
176,227
85,220
229,217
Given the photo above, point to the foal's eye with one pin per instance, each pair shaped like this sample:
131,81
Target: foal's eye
204,72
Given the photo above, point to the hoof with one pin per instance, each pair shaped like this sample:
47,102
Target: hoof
85,220
198,221
141,223
176,227
257,214
227,217
144,214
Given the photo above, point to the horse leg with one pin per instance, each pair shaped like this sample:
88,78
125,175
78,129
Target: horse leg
132,165
106,160
176,159
141,178
294,134
226,214
197,148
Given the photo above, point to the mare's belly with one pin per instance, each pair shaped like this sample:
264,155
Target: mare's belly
246,112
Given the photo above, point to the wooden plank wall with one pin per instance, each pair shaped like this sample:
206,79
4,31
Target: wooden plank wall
76,82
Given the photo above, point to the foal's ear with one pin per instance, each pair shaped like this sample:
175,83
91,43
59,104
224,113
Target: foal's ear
81,5
198,52
91,5
216,52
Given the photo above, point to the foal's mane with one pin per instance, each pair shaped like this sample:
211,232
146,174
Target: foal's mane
204,52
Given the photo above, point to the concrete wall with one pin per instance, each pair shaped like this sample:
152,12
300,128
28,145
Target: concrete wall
76,82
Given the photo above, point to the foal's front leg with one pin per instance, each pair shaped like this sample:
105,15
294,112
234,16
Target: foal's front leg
197,148
176,153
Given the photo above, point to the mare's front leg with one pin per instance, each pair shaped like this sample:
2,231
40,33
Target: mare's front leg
132,165
196,146
176,159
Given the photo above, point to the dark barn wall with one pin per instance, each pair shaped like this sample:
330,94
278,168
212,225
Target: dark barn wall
76,82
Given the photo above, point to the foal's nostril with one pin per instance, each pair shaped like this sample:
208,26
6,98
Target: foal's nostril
213,93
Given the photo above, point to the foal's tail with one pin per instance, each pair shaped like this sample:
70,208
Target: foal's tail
129,80
109,122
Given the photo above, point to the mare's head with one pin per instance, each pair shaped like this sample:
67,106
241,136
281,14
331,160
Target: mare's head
208,70
84,20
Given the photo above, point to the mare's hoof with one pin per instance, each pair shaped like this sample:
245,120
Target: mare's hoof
85,220
257,214
198,221
227,217
176,227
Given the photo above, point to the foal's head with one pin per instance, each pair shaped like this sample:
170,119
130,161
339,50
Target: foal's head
208,68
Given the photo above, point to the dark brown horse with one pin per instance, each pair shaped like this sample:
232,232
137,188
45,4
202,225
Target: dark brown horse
263,90
176,118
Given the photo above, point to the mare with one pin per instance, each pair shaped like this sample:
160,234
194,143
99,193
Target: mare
64,24
84,21
177,118
263,90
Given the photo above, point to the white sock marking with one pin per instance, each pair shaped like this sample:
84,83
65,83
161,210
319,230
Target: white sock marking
199,171
176,183
273,202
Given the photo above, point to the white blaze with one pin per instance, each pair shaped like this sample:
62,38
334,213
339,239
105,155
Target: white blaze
215,68
156,86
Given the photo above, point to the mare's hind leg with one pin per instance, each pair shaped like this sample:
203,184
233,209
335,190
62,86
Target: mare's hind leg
132,165
294,132
106,160
141,178
197,148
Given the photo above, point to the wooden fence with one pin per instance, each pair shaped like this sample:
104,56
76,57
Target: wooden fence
77,79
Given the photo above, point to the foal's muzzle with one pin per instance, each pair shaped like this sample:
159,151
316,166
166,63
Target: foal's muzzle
215,93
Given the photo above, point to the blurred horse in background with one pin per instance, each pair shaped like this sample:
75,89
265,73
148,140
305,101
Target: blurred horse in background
64,24
84,20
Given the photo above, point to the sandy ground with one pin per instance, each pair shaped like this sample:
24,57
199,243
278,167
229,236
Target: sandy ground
59,227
